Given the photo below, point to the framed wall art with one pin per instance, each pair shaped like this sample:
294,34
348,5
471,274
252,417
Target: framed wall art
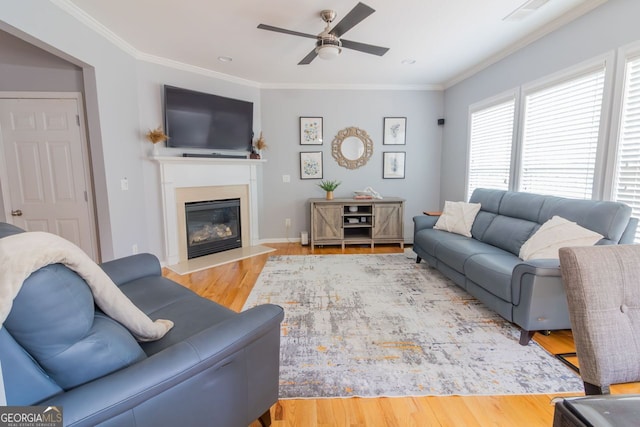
393,164
311,165
310,130
394,131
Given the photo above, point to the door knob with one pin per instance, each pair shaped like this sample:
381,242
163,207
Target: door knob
17,212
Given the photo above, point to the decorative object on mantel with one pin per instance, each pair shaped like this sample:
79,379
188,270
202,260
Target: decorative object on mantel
329,187
154,136
257,147
311,165
352,147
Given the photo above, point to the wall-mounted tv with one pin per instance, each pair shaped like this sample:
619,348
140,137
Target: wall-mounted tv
202,120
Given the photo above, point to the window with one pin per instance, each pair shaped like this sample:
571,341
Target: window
627,175
490,143
560,136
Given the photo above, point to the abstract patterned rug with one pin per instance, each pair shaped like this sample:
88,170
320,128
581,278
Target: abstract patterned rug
381,325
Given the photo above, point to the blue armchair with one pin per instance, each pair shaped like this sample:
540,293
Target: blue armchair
215,367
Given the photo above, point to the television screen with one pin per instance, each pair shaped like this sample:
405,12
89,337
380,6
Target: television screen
202,120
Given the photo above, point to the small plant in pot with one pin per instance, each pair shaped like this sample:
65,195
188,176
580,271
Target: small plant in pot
329,186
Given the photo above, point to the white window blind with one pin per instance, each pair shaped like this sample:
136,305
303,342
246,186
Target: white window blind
627,184
490,143
560,137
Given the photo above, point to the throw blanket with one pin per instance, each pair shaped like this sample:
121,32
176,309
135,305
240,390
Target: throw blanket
23,253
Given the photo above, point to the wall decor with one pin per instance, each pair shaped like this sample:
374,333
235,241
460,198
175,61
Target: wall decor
394,131
310,130
393,164
311,165
352,147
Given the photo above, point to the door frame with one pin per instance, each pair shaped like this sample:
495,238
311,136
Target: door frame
84,147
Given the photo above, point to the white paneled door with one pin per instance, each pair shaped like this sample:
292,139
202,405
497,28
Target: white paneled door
45,169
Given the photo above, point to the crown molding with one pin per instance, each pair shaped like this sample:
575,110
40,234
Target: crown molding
547,29
347,86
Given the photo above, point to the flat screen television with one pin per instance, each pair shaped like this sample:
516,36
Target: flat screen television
202,120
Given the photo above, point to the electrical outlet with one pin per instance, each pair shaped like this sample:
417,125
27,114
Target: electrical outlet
287,222
286,178
134,249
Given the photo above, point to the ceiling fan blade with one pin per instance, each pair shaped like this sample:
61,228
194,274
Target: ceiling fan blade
310,57
282,30
363,47
351,19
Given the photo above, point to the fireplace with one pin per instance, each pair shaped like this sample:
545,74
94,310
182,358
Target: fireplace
212,226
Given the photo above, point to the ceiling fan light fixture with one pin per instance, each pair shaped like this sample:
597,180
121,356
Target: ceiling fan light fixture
328,48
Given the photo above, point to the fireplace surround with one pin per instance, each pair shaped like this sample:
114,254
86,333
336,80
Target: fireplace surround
186,179
212,226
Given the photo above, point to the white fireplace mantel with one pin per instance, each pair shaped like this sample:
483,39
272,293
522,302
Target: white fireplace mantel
189,172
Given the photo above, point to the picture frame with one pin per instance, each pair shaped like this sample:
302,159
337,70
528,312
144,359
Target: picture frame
395,129
311,130
311,165
393,164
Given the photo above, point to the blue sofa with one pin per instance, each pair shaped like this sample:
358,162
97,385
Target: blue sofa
527,293
215,367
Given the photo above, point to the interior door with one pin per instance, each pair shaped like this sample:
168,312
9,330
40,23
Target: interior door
45,186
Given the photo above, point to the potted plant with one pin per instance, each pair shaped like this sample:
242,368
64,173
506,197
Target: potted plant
329,186
257,147
154,136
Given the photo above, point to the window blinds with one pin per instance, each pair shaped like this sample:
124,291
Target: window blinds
627,186
490,147
560,137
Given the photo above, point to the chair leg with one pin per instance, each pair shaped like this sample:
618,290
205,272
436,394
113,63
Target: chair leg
418,259
525,336
265,419
593,390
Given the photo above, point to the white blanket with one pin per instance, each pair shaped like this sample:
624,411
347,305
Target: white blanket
23,253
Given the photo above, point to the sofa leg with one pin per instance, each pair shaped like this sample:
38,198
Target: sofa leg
265,419
592,389
418,259
525,336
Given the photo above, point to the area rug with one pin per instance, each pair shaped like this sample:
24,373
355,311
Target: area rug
382,325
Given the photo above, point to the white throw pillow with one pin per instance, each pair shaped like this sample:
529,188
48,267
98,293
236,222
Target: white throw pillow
555,234
458,217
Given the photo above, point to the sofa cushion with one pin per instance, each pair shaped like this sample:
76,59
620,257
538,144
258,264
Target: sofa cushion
159,297
457,217
493,272
428,239
53,318
509,233
555,234
455,253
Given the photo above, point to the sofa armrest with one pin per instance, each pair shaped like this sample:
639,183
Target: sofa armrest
537,267
424,221
124,270
191,380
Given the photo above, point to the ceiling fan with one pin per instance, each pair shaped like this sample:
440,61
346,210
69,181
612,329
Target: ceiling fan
329,43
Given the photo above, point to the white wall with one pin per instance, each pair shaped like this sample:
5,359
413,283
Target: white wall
606,28
281,110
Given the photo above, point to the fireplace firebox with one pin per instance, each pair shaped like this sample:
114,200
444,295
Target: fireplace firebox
212,226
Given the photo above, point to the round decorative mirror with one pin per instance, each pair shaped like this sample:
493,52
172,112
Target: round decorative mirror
352,147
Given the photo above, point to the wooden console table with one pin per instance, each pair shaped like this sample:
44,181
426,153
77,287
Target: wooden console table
351,221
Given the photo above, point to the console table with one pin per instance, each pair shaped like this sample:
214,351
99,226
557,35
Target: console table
356,221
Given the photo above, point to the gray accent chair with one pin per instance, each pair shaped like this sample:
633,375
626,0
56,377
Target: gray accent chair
527,293
216,367
603,293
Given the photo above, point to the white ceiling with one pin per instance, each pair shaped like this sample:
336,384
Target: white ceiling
448,39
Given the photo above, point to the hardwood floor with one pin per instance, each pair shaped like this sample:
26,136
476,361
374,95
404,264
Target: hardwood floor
231,284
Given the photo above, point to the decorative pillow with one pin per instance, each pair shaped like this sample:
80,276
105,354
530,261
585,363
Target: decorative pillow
555,234
458,217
